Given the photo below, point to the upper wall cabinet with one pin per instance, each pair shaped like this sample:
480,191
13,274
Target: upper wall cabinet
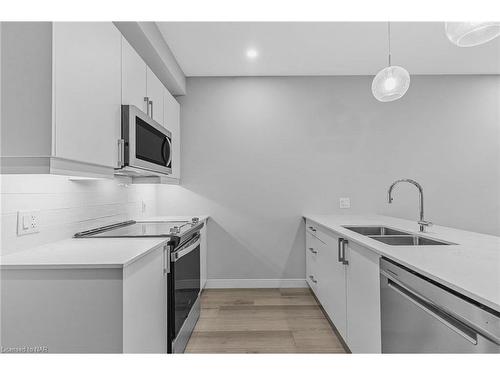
87,80
140,86
134,88
155,91
61,94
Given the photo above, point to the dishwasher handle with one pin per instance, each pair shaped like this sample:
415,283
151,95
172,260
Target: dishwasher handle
420,301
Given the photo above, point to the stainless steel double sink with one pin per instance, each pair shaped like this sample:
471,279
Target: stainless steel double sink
395,237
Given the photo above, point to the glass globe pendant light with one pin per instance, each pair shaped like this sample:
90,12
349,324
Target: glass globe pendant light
470,34
390,83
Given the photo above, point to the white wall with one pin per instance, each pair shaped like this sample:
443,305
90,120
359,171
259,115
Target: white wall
259,152
66,206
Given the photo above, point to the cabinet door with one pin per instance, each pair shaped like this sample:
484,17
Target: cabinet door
133,77
87,91
332,283
171,117
155,91
145,304
312,251
363,300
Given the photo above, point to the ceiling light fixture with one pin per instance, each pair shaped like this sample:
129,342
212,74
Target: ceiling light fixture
390,83
252,53
470,34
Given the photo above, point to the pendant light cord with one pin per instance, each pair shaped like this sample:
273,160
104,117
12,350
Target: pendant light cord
389,40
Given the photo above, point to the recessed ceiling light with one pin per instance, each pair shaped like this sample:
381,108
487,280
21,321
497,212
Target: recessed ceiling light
252,53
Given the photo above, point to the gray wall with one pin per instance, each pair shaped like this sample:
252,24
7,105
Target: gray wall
259,152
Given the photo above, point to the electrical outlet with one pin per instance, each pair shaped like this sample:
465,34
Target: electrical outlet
345,202
27,222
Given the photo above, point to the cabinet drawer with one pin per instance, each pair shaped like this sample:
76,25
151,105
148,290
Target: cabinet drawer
320,233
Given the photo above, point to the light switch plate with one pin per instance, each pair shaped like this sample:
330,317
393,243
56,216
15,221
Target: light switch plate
27,222
345,202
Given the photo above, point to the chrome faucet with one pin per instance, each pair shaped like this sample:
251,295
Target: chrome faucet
421,222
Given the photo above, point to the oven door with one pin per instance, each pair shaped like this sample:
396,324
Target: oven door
148,145
184,292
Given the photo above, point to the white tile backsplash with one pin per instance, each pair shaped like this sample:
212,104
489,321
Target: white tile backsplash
67,206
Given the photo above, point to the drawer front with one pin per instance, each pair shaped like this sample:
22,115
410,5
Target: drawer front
320,233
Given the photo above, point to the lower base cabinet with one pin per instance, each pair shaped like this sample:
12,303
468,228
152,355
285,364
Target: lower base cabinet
364,333
91,310
348,290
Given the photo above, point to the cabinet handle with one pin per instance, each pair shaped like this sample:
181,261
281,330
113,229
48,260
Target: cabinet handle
151,112
121,153
312,229
146,99
313,279
340,250
344,260
313,251
166,260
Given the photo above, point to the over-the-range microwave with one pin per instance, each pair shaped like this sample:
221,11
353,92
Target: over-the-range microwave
145,147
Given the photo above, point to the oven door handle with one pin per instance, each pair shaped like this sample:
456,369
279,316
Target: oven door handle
186,249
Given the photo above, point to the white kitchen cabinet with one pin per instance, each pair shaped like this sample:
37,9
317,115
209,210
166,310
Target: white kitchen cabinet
171,117
349,292
329,274
145,304
87,310
134,71
363,300
312,253
332,284
87,94
155,90
62,115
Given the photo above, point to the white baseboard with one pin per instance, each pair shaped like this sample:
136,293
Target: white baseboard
255,283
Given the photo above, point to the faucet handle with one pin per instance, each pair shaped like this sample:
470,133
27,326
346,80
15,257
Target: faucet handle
425,224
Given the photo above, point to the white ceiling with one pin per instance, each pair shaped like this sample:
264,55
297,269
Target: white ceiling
321,48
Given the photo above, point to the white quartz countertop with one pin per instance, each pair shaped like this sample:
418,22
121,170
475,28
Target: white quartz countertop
471,267
89,252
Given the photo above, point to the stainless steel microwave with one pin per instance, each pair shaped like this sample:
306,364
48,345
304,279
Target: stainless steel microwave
145,147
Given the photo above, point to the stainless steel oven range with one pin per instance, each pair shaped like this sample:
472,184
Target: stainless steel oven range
183,270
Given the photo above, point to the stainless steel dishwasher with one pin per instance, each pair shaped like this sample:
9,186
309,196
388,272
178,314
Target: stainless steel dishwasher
422,316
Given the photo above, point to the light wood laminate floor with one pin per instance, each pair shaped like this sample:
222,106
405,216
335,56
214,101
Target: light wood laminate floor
262,321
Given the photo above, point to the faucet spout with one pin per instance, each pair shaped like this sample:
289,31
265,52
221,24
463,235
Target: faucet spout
422,223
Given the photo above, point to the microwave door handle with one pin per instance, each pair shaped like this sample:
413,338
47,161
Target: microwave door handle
163,151
170,153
